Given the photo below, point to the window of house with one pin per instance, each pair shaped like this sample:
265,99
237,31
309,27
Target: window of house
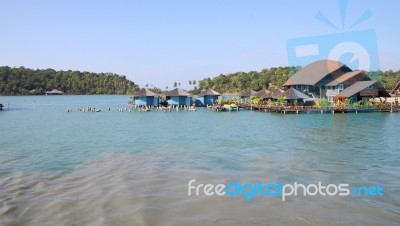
341,87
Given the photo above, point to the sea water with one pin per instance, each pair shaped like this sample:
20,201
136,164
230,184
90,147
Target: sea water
133,168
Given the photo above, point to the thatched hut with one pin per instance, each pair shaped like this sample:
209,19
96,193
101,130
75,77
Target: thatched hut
208,97
178,97
145,97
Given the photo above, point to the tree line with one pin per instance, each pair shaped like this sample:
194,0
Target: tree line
255,80
25,81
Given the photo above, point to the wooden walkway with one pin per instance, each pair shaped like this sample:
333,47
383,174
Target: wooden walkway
312,109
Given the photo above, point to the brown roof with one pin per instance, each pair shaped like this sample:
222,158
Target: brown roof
209,92
396,89
144,92
347,76
277,91
177,92
360,86
292,94
315,72
264,93
248,93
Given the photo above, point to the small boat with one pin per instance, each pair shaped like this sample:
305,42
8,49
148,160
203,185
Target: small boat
230,107
225,107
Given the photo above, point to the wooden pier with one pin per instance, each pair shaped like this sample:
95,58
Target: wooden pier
313,109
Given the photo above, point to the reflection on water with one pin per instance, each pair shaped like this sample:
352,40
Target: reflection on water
112,168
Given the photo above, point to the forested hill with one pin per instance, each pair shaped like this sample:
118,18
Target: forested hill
25,81
273,77
240,81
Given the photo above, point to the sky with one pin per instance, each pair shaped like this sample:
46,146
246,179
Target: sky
162,42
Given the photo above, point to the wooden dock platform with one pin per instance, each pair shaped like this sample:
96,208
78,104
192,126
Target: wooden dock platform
312,109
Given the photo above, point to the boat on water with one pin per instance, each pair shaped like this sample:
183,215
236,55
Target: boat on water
1,107
225,107
230,107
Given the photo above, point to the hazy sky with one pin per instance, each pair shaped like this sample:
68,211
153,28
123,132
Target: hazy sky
159,42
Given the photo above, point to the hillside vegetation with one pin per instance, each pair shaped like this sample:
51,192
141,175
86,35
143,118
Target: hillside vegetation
25,81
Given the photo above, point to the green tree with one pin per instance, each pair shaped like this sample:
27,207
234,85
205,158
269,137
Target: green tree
25,81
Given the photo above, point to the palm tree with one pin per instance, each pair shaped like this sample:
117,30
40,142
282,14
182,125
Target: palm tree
190,82
175,84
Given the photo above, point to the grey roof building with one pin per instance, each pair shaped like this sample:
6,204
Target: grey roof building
329,78
364,89
318,73
178,97
145,97
208,97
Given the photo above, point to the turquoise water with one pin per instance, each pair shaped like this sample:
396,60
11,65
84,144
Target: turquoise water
132,168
